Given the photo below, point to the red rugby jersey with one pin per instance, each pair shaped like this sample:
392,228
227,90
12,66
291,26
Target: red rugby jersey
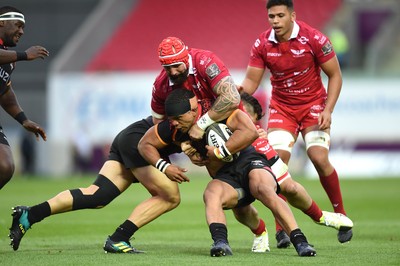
205,71
295,64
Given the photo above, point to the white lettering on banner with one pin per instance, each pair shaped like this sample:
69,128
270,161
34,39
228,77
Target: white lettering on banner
102,105
367,109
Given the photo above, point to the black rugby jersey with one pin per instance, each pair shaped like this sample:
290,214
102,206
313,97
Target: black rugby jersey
5,74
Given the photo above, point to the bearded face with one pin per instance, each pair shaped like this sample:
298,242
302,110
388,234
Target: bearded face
179,78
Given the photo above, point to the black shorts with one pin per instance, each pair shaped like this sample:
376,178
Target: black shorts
237,172
124,146
3,138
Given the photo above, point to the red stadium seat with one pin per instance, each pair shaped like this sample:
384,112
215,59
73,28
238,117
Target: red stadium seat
227,28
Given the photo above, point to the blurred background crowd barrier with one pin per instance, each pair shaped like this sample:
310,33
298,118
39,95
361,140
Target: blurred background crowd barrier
98,78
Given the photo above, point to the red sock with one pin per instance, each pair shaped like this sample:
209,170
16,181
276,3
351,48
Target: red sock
278,227
332,188
260,229
314,212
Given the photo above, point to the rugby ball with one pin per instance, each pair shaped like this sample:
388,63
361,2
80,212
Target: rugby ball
216,135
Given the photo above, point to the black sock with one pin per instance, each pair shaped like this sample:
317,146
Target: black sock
219,232
124,232
39,212
297,237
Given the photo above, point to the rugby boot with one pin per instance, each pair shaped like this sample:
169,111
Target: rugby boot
119,247
261,243
282,239
220,248
336,220
345,235
305,250
19,226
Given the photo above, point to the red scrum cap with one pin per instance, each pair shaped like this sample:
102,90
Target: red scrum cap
172,51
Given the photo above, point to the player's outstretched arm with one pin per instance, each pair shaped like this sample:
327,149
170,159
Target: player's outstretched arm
34,52
244,131
227,101
148,147
10,104
252,80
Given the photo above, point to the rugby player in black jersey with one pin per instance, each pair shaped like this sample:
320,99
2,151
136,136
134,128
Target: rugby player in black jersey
235,184
12,23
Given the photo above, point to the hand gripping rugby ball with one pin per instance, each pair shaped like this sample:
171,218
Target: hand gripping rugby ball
216,135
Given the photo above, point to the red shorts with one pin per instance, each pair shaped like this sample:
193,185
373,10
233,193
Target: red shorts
262,146
278,167
294,119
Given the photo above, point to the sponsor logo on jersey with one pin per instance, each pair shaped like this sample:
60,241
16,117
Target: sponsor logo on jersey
257,163
213,71
315,110
296,73
264,149
298,91
327,48
204,60
274,54
321,38
289,83
279,121
303,40
298,53
273,111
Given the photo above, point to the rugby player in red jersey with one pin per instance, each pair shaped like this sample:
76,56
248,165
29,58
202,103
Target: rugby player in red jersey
203,73
295,53
125,166
236,184
200,71
291,190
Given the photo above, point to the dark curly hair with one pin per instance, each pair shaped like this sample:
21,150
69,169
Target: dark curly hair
253,102
288,3
6,9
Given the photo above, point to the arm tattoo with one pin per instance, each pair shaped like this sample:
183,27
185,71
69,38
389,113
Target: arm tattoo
229,97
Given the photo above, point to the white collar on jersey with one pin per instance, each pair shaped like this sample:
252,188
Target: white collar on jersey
191,71
295,32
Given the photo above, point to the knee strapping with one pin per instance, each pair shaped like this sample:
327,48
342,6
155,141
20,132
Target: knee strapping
317,138
104,195
281,140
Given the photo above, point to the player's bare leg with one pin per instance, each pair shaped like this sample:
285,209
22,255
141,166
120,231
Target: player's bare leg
165,196
263,187
113,179
217,196
248,216
329,180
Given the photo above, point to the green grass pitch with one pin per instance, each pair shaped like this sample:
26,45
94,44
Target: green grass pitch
181,237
